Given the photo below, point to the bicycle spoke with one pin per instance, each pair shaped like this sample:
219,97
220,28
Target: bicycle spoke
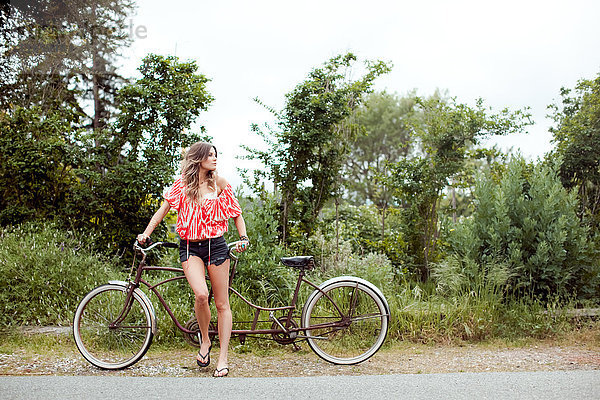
369,316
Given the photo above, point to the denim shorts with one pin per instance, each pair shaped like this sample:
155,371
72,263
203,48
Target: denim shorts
212,251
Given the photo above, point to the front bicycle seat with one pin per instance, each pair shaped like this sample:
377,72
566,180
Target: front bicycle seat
300,262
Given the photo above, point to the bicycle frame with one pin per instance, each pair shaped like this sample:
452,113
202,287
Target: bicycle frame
286,327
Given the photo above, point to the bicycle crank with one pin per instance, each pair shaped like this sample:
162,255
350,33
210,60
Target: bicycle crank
192,338
284,337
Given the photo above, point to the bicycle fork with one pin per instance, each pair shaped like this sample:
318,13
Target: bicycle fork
126,308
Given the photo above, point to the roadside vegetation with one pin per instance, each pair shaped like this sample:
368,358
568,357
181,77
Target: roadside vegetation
468,243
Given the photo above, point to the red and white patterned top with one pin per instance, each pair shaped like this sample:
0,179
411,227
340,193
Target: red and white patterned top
202,221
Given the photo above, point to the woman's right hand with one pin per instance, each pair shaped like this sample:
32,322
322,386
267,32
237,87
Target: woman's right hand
141,238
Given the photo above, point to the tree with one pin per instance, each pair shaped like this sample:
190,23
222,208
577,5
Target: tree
577,138
111,180
386,139
446,130
63,52
36,164
103,170
306,153
123,171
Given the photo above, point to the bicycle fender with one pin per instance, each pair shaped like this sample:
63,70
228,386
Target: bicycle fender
353,279
145,299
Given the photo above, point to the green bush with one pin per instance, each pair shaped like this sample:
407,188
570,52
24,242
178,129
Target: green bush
260,276
524,236
44,274
362,228
340,259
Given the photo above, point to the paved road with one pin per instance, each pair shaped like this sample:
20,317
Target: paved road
502,385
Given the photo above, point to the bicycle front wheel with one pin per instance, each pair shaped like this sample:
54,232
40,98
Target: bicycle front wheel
106,342
347,322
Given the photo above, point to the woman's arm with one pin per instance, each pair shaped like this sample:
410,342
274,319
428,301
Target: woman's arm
154,221
240,224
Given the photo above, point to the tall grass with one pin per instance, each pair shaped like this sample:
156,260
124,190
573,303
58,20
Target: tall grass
454,312
422,314
44,273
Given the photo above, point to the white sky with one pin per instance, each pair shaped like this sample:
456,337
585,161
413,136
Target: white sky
513,53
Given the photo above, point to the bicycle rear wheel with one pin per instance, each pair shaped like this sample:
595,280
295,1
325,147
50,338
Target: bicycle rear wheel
346,322
115,347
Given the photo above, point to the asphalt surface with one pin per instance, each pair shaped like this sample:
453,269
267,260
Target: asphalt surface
492,385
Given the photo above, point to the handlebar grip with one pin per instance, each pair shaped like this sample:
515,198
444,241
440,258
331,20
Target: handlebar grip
170,245
147,243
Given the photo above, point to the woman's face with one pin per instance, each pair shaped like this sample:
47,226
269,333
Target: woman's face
211,161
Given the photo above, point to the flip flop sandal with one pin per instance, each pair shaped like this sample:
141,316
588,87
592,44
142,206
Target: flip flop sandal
207,356
217,373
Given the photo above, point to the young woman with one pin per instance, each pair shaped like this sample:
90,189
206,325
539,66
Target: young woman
204,202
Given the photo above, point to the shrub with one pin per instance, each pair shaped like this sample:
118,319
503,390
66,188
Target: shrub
44,274
260,275
524,232
374,267
362,227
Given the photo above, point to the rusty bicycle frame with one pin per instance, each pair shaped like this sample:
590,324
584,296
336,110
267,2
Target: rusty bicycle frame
284,327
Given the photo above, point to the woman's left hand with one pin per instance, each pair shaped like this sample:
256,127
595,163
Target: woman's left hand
242,245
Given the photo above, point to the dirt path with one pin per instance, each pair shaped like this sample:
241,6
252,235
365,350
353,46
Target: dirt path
400,359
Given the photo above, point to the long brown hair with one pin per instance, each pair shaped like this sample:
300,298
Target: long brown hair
190,170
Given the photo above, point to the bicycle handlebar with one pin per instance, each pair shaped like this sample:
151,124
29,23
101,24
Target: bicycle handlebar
138,247
171,245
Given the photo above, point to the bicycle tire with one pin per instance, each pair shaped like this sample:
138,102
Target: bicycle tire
359,335
118,347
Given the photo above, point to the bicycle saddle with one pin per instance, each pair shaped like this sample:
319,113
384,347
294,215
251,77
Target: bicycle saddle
301,262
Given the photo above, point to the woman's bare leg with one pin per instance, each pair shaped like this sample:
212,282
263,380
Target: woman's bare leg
219,279
195,273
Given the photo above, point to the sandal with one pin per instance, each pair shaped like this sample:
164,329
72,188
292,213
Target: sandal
207,356
218,374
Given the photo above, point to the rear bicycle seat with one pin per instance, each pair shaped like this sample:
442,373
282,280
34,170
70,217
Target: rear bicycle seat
300,262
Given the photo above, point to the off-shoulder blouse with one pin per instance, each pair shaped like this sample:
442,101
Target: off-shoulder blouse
205,220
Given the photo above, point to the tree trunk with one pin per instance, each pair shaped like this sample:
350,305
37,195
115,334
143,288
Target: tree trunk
383,210
337,229
453,204
284,221
97,121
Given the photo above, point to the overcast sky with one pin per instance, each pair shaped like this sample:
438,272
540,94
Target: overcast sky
511,53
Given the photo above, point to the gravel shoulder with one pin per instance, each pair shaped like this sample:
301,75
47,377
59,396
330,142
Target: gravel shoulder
57,355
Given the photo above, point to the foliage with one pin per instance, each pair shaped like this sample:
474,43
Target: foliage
63,54
44,274
102,171
360,226
385,139
577,138
331,262
422,314
46,289
122,173
446,131
306,153
524,238
110,180
35,164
